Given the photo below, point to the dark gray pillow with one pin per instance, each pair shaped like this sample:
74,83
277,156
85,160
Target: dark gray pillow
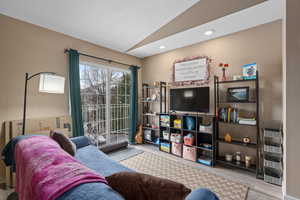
65,143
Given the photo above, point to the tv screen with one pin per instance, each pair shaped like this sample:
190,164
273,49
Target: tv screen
190,99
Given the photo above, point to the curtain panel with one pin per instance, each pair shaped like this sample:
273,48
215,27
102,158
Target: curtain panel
133,118
75,98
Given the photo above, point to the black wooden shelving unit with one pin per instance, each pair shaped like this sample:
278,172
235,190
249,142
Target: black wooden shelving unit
147,104
254,168
200,136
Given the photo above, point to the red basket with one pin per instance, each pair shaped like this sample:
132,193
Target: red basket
189,141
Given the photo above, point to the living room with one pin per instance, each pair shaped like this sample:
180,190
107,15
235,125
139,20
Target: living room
200,99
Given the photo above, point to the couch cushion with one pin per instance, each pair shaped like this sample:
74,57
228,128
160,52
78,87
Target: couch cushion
137,186
95,159
81,141
91,191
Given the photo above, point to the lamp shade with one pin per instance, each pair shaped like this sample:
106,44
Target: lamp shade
50,83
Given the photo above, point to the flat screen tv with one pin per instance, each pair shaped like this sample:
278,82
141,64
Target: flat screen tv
190,99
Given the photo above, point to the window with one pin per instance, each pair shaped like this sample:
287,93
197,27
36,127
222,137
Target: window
105,103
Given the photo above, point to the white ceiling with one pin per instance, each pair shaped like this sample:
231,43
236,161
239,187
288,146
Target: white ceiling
115,24
260,14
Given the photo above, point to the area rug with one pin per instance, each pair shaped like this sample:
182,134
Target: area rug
150,163
124,153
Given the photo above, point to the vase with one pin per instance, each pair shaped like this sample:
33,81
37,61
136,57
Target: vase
224,74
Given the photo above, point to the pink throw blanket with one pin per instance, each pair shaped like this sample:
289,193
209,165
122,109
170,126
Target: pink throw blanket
45,171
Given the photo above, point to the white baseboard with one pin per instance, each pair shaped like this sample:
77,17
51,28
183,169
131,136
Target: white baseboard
287,197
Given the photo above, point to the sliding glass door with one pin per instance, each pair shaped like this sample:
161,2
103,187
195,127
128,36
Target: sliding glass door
105,103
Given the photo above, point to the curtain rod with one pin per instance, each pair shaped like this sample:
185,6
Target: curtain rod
103,59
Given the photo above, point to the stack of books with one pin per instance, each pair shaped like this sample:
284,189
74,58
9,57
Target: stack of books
247,121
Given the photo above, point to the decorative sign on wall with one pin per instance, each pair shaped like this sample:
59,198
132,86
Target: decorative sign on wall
191,71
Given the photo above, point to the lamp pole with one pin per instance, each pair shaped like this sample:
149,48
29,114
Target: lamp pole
27,78
25,102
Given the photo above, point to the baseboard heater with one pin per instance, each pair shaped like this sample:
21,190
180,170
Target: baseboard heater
114,147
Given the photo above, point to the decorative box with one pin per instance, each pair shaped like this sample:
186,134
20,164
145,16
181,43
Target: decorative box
249,71
177,123
190,123
165,120
166,135
189,153
148,135
176,137
165,147
206,128
205,161
189,140
176,149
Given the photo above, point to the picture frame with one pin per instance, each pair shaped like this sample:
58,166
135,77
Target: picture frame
191,71
238,94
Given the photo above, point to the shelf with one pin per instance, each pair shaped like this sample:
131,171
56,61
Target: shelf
164,126
236,81
250,145
202,132
242,165
223,102
203,148
151,114
175,128
187,130
198,147
161,138
237,124
150,142
154,129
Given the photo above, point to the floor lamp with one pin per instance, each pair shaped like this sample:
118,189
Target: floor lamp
27,78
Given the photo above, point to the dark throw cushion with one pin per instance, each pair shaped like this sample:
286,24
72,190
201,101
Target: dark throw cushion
137,186
64,142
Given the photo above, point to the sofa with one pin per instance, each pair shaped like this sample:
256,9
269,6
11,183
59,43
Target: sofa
92,157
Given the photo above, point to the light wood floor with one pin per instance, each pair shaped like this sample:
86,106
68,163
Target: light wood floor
259,190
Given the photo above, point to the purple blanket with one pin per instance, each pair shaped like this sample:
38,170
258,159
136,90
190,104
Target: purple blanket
45,171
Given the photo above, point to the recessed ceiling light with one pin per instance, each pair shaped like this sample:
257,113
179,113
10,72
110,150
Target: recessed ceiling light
162,47
209,32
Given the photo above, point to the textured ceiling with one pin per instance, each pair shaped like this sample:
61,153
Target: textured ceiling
263,13
116,24
202,12
139,27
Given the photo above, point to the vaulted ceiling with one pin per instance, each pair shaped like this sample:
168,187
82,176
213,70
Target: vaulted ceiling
140,27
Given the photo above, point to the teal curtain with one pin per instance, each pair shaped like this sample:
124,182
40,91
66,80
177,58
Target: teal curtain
75,98
133,103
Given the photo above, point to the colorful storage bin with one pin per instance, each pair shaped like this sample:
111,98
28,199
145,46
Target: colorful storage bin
189,140
176,137
165,147
176,148
205,161
206,128
148,135
166,135
177,123
189,153
165,120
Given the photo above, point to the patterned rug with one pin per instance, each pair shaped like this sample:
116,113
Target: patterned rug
191,177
